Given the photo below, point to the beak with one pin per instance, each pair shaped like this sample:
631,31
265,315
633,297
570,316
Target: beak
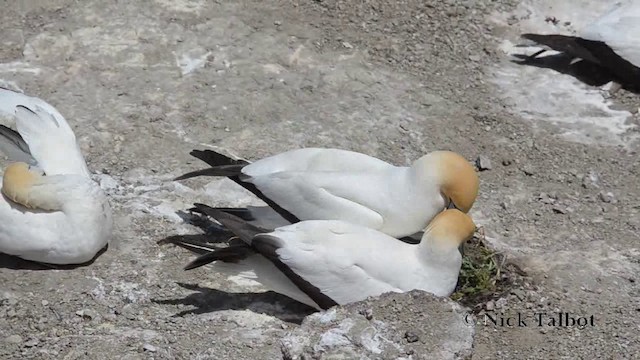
452,205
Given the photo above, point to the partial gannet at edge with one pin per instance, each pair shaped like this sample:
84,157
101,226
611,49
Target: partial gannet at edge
323,263
333,184
610,41
51,211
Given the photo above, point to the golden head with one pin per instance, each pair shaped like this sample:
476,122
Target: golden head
457,178
450,229
17,181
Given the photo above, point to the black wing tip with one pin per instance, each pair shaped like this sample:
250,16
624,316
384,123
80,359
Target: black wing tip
234,253
168,240
215,158
236,224
188,175
195,264
267,246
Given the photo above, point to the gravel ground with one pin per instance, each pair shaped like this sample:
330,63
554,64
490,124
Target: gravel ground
144,82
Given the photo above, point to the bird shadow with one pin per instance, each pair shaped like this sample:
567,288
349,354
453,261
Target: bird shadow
585,71
15,263
206,300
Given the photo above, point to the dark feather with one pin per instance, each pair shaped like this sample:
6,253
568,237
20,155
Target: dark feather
221,170
272,204
596,52
214,159
198,244
193,241
231,254
222,165
243,213
241,228
267,246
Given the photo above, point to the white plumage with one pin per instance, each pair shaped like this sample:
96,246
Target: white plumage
50,209
333,184
327,262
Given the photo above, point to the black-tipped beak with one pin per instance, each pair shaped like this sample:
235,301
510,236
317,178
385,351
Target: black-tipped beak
452,205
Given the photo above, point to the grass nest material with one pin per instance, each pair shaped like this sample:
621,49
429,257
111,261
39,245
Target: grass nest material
485,274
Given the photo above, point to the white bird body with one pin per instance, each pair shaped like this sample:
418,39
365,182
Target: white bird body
326,262
51,143
333,184
61,216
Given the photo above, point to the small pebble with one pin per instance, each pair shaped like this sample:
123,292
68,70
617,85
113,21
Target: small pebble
367,313
559,209
13,339
411,337
31,343
149,348
483,163
490,305
606,197
527,170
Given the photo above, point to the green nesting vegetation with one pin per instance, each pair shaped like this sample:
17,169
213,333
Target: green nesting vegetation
481,276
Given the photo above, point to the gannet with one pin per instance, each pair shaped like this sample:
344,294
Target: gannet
333,184
323,263
51,211
610,41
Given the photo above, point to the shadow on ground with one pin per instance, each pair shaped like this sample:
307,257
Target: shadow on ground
585,71
16,263
206,300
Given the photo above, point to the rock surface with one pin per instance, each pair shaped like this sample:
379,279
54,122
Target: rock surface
143,82
415,325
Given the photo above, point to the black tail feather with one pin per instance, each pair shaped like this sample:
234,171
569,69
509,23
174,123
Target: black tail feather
243,213
231,254
237,225
222,165
235,251
203,241
221,170
214,159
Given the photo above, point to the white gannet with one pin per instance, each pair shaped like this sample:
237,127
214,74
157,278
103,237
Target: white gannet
323,263
51,211
333,184
610,41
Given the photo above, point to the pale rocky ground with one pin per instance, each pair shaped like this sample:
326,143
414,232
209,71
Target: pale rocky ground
144,82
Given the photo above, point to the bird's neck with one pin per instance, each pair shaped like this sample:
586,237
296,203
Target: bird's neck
442,258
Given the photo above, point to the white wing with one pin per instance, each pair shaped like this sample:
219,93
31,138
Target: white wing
619,29
51,141
315,159
354,197
347,262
